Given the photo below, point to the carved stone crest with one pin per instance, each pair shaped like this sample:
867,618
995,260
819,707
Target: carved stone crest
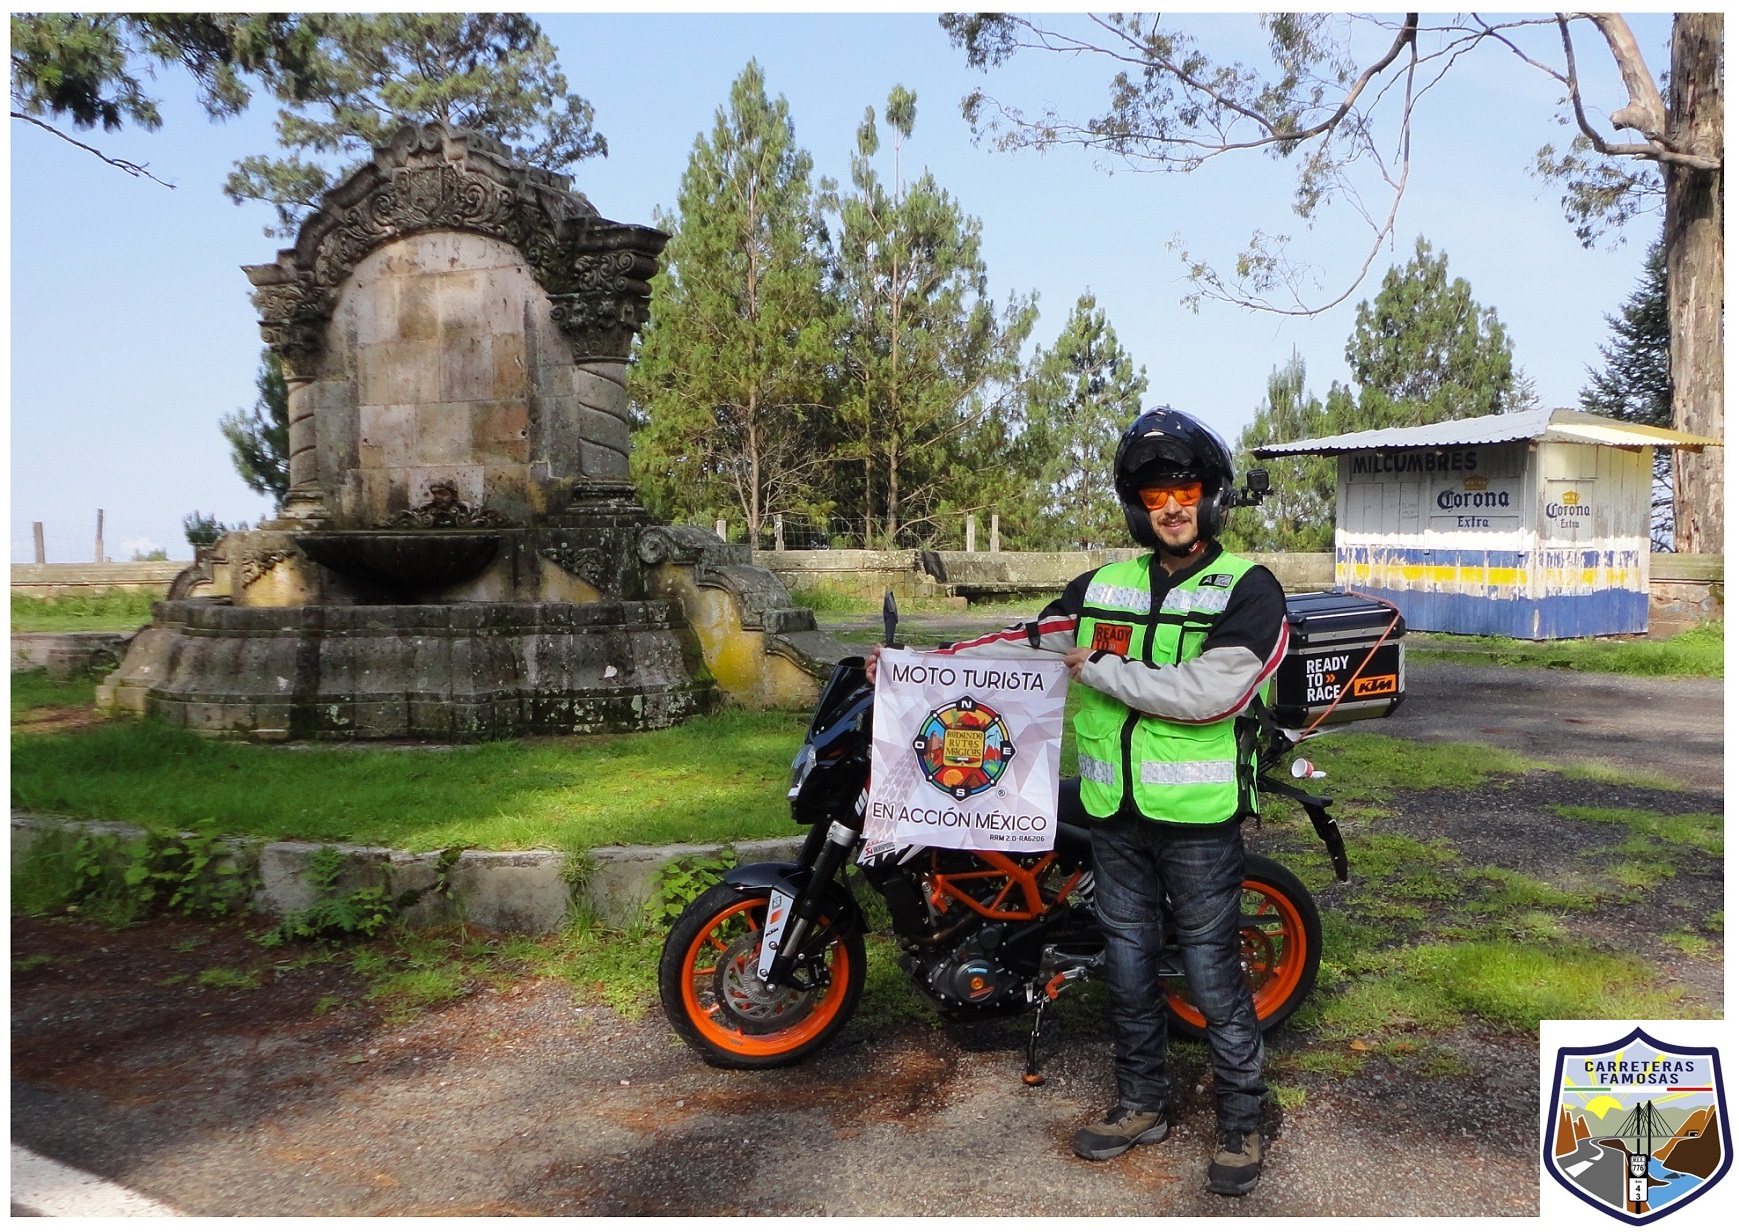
435,178
249,565
590,565
445,509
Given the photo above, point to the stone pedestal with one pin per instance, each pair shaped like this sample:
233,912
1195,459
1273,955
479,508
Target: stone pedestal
456,671
460,555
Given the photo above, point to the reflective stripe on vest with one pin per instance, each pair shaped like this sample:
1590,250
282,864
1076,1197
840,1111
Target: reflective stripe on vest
1136,601
1189,772
1096,771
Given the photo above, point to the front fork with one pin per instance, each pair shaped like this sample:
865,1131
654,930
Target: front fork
791,917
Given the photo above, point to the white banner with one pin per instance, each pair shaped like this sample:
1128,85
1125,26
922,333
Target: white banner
965,752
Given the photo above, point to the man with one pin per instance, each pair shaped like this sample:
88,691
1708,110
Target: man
1172,648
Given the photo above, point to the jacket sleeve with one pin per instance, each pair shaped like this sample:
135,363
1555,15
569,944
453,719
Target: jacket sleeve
1242,650
1049,636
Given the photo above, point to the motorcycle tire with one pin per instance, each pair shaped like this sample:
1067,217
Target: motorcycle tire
713,1000
1281,943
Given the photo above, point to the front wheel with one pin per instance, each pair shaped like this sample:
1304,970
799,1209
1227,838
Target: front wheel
721,1009
1280,943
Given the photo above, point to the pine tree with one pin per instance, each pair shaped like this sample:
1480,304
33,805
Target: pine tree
1425,351
1635,383
373,72
1298,515
1082,392
733,365
927,356
259,439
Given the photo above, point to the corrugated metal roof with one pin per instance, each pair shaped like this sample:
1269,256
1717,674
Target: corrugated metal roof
1540,425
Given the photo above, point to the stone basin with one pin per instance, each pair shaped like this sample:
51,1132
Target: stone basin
405,560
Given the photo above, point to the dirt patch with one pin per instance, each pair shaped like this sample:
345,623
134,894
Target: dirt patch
46,720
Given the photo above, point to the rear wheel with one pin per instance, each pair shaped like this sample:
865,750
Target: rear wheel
1280,943
721,1008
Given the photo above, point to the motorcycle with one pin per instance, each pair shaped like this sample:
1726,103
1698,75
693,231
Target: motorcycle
767,966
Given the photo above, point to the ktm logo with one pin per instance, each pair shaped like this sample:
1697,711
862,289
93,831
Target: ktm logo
1373,686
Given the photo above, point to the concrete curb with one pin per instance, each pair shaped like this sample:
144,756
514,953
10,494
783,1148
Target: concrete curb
508,891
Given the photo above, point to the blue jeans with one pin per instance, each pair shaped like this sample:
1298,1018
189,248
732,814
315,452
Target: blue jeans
1142,870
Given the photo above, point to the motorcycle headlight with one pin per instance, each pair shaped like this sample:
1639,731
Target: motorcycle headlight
801,765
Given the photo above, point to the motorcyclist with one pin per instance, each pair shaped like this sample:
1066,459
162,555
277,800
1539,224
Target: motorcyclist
1172,648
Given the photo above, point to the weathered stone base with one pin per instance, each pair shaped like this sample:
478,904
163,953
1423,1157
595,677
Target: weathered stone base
465,671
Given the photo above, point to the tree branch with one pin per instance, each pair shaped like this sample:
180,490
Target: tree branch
1645,112
1640,112
131,168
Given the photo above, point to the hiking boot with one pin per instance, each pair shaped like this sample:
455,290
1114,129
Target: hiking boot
1120,1129
1237,1164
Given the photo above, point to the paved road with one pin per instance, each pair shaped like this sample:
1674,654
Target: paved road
1669,727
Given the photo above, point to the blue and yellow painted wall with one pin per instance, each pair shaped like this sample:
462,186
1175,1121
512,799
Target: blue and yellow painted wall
1521,539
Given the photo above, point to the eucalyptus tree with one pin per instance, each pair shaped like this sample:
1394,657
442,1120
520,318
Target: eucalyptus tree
1635,381
733,367
1338,97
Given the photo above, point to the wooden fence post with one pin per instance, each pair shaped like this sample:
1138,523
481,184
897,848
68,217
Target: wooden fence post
778,532
972,532
719,529
996,532
36,534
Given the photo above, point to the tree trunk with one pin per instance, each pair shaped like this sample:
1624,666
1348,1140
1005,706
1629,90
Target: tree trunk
1695,287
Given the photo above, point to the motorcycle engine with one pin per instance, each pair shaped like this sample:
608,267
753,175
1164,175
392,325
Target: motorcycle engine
969,975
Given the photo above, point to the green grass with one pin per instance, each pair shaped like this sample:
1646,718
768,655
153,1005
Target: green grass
1695,652
1699,830
715,779
33,690
1429,988
105,611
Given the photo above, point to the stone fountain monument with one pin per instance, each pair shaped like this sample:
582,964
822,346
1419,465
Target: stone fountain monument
461,554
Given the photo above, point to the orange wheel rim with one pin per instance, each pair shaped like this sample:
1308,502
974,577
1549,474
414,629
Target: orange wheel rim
698,965
1271,981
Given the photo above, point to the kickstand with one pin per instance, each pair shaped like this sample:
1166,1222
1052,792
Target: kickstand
1045,998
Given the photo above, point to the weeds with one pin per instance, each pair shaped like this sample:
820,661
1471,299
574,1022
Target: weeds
332,915
117,879
682,881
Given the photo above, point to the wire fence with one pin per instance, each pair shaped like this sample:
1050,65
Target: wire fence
796,532
119,544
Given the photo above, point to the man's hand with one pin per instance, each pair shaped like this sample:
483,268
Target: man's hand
1075,658
869,662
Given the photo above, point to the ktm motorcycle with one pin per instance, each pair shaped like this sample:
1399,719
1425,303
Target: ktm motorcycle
765,968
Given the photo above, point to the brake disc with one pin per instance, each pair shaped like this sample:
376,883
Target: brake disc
749,1000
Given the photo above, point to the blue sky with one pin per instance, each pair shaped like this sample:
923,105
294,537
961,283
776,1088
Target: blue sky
132,331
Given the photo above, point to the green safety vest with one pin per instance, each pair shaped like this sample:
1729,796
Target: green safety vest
1198,773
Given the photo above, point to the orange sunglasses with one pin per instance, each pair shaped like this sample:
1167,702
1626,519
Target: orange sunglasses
1185,491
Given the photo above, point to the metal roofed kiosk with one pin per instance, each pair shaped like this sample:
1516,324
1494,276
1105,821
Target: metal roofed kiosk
1533,525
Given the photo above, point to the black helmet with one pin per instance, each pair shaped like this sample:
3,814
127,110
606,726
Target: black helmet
1163,443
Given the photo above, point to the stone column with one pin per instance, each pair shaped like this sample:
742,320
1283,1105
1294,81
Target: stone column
305,502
